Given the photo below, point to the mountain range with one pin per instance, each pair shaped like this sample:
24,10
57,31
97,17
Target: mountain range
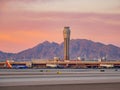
78,48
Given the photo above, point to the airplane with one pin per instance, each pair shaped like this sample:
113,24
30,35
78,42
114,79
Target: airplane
54,66
8,65
106,65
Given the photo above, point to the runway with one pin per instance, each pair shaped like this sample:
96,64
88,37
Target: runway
32,77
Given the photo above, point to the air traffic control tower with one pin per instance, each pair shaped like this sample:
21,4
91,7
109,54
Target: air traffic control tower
66,35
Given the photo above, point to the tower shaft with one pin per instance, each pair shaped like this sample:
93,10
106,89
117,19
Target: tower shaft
66,48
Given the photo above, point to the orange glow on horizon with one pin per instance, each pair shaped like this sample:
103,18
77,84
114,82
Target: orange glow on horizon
26,23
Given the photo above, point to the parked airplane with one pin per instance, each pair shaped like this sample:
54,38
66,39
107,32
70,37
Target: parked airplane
54,66
106,65
8,65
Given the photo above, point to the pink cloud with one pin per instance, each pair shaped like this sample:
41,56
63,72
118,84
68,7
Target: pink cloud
30,28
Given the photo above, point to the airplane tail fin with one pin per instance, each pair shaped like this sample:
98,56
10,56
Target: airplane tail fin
8,65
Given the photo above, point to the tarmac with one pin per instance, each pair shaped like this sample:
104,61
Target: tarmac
60,79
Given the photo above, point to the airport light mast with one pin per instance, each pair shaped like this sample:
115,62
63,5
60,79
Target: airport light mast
66,35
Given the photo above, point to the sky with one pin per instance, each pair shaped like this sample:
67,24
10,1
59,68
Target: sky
26,23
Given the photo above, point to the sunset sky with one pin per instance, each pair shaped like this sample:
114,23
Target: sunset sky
26,23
